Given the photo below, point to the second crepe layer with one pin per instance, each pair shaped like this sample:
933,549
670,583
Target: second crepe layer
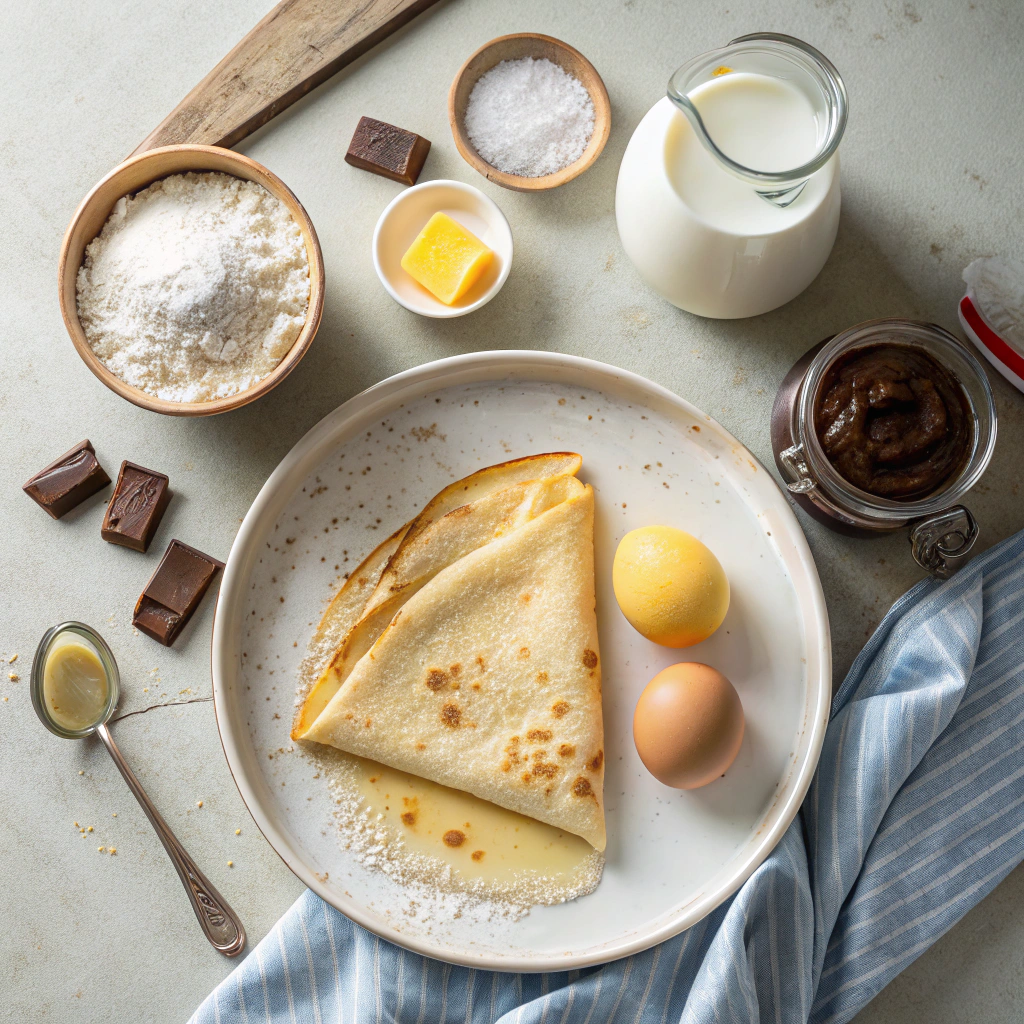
474,661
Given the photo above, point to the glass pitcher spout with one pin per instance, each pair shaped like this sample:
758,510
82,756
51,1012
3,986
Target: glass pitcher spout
795,103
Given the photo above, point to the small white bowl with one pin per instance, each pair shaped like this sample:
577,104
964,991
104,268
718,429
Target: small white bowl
402,221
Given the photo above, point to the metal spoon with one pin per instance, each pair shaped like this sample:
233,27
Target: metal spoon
216,918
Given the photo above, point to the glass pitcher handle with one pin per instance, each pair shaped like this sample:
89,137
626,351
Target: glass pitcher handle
942,543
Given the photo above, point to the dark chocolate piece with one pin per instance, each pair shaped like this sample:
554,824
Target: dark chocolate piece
66,483
386,150
174,591
136,507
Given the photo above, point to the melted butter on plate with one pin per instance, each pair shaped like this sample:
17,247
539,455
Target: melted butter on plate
489,850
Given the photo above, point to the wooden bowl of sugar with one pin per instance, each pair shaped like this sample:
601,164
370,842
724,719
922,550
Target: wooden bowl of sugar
131,177
487,132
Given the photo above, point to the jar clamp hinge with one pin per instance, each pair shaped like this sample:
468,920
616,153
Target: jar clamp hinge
795,463
941,543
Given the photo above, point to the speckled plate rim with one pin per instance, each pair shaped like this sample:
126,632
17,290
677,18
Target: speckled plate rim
332,430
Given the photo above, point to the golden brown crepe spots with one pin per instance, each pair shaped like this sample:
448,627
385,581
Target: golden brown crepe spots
566,750
542,677
451,715
581,787
589,658
545,769
512,755
538,735
594,764
437,679
559,708
453,838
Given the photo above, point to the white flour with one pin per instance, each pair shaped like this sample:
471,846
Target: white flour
196,287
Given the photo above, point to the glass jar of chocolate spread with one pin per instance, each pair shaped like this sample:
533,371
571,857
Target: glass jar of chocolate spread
887,425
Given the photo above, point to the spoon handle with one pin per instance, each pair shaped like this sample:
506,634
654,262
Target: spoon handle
216,918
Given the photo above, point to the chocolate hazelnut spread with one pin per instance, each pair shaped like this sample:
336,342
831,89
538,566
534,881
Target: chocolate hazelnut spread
893,421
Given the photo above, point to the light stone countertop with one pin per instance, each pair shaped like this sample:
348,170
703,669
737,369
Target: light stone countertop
931,178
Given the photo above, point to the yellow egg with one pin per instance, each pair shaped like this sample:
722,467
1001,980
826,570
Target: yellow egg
669,586
688,725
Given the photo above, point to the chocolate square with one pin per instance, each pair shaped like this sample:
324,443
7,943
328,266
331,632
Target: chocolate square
174,591
386,150
136,507
66,483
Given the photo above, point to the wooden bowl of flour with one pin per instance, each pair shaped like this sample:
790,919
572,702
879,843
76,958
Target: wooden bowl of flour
515,47
130,177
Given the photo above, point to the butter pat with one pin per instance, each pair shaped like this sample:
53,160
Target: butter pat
446,258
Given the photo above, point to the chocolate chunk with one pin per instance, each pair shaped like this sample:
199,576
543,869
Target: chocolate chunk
66,483
387,150
174,591
136,507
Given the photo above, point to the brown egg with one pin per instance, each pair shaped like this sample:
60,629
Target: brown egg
688,725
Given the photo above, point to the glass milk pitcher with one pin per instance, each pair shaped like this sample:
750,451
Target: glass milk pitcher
728,193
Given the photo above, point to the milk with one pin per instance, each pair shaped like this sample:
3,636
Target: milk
702,237
764,123
760,121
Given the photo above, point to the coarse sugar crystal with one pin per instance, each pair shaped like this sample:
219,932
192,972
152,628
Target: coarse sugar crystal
529,117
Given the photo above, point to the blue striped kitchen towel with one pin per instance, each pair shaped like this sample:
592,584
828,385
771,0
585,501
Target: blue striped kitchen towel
914,816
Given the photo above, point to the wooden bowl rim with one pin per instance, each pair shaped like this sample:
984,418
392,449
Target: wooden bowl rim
517,182
314,311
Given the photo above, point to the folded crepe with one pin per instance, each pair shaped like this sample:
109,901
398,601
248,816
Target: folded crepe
470,651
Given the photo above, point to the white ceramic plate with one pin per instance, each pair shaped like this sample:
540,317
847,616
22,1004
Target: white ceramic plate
403,219
652,458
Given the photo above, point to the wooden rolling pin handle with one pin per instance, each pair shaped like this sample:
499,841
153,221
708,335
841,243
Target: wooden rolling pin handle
295,48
